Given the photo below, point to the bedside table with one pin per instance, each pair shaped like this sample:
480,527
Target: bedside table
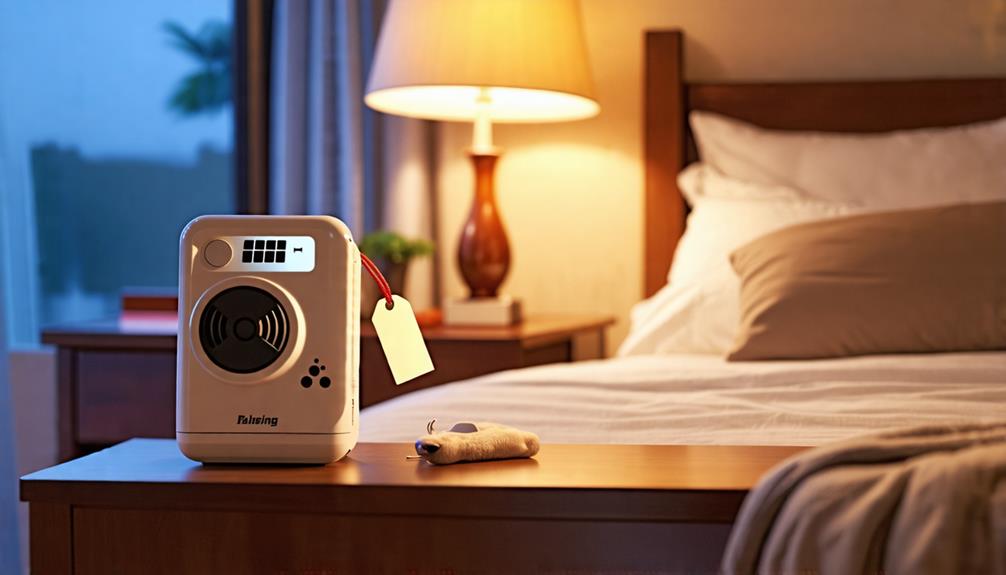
460,352
142,507
114,384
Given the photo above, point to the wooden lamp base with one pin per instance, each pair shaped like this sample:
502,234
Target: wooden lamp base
483,255
484,252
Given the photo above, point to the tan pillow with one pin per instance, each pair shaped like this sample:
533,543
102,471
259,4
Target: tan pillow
927,280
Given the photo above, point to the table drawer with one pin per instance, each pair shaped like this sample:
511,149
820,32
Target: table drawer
124,394
170,541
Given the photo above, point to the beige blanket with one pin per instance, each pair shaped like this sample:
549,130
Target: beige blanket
923,500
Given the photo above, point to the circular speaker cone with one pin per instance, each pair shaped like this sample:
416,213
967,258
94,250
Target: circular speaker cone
243,329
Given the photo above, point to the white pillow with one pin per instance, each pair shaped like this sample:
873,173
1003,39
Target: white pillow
701,180
707,237
698,311
902,169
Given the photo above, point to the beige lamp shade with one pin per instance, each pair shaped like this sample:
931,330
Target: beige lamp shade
513,60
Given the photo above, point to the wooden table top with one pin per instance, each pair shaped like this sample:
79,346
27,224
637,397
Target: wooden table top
162,335
534,327
661,482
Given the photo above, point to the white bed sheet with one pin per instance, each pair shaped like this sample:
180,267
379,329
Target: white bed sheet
693,399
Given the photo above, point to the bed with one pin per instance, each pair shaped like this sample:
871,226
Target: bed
700,398
703,399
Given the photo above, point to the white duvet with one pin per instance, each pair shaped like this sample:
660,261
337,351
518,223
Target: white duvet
688,399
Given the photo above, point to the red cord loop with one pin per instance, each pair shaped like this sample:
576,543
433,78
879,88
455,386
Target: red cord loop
382,283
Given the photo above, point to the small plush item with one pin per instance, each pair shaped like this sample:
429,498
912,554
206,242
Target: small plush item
475,442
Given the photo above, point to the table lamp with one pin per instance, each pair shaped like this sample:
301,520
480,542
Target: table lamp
482,61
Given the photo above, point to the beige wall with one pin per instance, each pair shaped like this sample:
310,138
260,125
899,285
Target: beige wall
572,193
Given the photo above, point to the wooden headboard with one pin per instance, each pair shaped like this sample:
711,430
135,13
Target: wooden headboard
843,106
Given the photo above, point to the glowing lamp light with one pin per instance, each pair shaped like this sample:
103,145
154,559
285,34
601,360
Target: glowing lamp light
485,61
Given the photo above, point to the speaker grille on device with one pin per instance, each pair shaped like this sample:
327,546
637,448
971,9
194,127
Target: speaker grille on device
272,328
244,329
215,326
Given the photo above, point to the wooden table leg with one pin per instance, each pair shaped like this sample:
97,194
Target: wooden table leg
66,389
586,346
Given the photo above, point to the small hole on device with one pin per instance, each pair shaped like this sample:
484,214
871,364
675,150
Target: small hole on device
389,305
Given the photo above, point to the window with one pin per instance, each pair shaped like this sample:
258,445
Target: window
116,129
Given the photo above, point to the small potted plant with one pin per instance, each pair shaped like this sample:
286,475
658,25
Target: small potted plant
392,253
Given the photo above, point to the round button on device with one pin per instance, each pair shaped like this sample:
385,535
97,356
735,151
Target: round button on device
218,253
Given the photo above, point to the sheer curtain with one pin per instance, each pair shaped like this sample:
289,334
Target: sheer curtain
330,154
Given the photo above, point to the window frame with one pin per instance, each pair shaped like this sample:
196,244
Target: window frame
252,43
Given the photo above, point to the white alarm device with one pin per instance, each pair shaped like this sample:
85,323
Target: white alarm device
268,339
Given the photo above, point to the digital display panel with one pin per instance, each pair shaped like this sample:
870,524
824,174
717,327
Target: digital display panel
270,253
263,251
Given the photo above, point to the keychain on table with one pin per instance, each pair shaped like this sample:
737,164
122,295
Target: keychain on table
397,330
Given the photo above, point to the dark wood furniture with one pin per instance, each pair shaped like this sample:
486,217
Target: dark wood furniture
836,106
141,507
115,383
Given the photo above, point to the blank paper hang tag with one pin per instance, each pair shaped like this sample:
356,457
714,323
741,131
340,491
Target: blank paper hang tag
401,340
